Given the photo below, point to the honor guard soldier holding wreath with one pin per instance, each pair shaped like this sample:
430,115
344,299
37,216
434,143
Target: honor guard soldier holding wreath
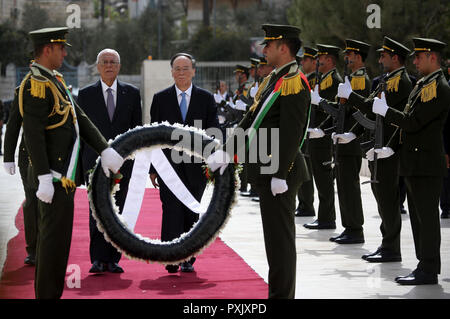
53,125
281,105
397,86
422,160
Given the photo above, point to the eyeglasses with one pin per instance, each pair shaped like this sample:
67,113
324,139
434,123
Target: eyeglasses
108,62
184,69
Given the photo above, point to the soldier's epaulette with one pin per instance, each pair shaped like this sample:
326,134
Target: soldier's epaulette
326,82
429,90
358,82
292,84
394,80
38,83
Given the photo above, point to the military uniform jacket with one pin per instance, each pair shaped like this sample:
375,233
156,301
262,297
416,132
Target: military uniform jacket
328,85
421,125
13,130
48,124
397,88
289,114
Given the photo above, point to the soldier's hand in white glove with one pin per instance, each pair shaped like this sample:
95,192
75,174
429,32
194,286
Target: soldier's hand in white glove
218,98
315,133
10,167
218,159
278,186
111,160
253,90
45,189
240,105
315,97
380,105
384,152
345,138
345,89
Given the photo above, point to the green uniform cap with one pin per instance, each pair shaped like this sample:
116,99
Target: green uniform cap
356,46
323,49
262,61
278,32
309,52
428,45
254,62
392,46
241,68
49,35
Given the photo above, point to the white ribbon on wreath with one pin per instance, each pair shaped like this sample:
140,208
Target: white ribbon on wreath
139,175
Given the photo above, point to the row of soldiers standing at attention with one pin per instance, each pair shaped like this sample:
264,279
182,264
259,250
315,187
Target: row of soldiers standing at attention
393,122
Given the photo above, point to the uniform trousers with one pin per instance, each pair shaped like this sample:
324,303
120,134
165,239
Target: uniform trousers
423,203
305,193
30,206
349,193
324,180
387,195
53,245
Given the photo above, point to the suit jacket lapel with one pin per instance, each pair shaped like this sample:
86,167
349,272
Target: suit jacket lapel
190,106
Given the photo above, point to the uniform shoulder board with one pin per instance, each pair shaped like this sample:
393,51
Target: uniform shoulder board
326,82
358,82
292,84
429,90
393,82
38,83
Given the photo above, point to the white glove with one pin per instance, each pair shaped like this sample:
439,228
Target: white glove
344,89
315,133
10,167
315,97
45,189
343,138
278,186
218,98
380,105
253,90
240,106
111,160
218,159
384,152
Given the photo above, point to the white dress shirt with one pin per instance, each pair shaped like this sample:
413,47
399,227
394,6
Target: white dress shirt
113,88
188,96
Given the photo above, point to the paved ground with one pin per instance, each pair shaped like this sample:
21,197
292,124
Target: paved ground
324,269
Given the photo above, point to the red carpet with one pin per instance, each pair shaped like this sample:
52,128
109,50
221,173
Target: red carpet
219,272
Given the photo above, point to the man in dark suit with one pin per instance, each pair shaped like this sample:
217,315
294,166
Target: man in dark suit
422,160
114,107
190,105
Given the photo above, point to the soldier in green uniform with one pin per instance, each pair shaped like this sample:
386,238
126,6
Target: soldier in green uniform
349,158
305,194
53,125
397,86
30,206
422,159
281,106
320,145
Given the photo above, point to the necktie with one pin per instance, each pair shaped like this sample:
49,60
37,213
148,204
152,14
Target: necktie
183,106
110,103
